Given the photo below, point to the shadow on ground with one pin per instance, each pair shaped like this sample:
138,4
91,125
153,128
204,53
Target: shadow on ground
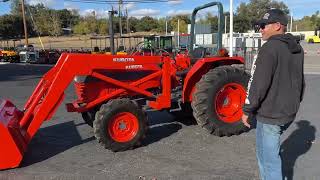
164,124
20,72
53,140
297,144
161,131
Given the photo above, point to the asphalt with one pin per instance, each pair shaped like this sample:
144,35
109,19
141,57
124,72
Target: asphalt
65,147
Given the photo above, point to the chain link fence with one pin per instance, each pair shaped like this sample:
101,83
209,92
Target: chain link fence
249,54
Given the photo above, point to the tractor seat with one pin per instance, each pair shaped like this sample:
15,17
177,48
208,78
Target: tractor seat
198,53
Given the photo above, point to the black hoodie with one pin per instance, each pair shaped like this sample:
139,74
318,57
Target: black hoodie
276,86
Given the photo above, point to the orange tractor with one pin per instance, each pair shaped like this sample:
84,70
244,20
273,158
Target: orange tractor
115,91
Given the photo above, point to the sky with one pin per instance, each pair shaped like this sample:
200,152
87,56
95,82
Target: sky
298,8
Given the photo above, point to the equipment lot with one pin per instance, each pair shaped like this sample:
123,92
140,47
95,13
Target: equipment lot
65,147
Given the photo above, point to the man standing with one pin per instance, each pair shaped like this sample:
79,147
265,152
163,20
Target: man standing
275,90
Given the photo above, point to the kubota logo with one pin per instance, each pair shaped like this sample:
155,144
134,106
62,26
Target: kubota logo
123,59
134,66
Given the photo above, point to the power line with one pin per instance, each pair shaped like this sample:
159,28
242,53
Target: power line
117,1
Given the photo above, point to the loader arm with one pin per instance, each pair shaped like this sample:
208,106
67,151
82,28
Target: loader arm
17,128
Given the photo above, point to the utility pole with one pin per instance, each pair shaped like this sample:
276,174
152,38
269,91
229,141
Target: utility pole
178,33
120,20
24,23
231,29
111,32
166,26
128,28
1,41
291,21
225,24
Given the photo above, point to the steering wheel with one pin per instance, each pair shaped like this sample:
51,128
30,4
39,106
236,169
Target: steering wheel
141,47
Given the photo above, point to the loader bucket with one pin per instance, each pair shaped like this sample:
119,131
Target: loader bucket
12,142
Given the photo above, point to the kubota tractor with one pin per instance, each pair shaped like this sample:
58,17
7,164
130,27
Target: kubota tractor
115,91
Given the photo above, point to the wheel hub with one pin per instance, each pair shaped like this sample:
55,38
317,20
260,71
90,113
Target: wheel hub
226,101
123,127
229,101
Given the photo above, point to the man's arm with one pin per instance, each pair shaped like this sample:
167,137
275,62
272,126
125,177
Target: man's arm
261,78
303,83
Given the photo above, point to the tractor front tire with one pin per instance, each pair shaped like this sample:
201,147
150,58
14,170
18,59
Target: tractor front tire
120,125
218,100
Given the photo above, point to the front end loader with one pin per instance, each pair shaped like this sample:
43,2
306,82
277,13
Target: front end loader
18,127
115,91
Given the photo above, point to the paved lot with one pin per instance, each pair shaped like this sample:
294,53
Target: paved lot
65,147
312,58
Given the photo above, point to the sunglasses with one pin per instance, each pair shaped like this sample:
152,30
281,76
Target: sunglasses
263,25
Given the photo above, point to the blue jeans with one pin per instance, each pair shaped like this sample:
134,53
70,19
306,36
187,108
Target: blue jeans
268,149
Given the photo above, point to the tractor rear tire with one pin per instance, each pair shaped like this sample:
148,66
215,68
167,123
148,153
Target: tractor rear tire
218,100
120,125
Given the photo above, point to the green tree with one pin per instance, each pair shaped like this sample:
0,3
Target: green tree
81,28
12,26
16,7
68,18
147,23
243,20
304,24
116,24
133,21
210,19
41,18
183,26
184,20
162,25
315,18
93,24
248,13
55,21
103,27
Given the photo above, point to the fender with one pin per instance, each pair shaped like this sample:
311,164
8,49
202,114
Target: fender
201,67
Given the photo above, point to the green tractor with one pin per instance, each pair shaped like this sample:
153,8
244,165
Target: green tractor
158,43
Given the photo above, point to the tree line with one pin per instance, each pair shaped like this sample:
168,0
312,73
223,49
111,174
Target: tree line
44,21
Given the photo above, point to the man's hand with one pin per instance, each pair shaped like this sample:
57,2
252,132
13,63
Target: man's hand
245,120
